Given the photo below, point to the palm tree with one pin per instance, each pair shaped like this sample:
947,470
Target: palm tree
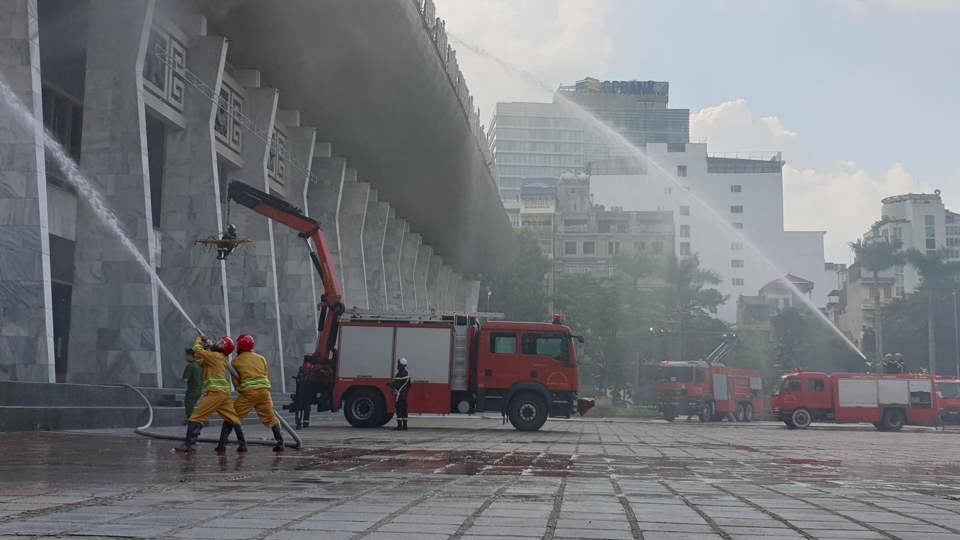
938,276
687,293
876,256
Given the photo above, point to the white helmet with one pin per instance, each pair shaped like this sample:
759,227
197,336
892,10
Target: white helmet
402,361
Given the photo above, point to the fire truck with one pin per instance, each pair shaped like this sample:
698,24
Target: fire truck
888,401
948,394
459,364
709,389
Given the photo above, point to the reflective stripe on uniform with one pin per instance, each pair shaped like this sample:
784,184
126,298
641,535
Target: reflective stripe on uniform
260,382
216,383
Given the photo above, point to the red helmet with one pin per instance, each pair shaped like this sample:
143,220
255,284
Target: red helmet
226,345
245,343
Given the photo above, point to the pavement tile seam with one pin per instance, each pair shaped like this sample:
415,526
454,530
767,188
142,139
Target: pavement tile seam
471,519
835,514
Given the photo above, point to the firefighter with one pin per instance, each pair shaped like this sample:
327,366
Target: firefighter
217,393
193,378
252,379
401,385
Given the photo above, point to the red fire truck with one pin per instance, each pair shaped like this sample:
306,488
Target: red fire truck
527,371
709,389
888,401
948,394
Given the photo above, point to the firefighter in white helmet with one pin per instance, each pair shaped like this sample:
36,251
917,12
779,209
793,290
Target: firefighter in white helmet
401,385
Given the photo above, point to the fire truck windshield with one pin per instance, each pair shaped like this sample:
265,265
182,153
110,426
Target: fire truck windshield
676,374
948,390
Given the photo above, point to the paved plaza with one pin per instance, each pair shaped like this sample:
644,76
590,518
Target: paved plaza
477,479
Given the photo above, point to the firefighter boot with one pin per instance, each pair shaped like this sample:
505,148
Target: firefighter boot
278,446
404,424
225,430
190,441
241,439
399,425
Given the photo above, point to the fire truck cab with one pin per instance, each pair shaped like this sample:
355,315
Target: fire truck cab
887,401
948,394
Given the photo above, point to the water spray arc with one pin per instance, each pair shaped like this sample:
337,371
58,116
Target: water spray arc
616,139
86,189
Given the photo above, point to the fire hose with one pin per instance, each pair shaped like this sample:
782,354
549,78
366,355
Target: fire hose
144,430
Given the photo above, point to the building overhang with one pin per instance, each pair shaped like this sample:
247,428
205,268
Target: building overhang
367,75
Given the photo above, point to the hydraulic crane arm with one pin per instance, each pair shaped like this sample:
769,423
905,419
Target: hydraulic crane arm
276,209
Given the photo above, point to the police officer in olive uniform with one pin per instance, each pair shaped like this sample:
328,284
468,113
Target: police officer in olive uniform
401,385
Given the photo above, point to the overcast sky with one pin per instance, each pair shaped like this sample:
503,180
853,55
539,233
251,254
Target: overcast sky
862,96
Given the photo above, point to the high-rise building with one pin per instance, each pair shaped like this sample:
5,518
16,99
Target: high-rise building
544,139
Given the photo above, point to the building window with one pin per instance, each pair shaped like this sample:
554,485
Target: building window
684,210
613,248
569,248
667,191
589,248
639,246
736,209
737,225
931,233
737,282
736,246
657,246
735,188
736,263
156,155
684,248
684,231
681,171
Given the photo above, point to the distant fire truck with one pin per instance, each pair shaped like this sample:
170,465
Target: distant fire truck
528,371
709,389
888,401
948,394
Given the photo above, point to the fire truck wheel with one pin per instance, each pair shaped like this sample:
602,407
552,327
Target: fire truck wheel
893,420
365,408
789,423
707,412
801,418
527,411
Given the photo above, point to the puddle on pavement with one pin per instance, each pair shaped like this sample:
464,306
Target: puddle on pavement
38,462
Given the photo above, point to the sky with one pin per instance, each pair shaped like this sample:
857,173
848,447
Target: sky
861,96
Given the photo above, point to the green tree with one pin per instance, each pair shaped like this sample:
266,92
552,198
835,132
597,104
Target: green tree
876,256
938,277
804,340
907,332
688,297
519,291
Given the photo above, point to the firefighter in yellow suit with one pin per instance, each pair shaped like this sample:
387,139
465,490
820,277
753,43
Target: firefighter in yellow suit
217,396
252,379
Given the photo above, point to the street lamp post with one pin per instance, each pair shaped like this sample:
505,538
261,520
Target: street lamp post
489,294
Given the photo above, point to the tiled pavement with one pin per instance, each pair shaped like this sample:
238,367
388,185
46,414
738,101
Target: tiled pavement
475,479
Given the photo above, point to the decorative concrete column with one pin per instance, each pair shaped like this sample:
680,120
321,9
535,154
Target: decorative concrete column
424,254
443,279
298,309
191,211
323,203
433,280
374,232
351,220
392,250
114,327
409,251
26,316
251,271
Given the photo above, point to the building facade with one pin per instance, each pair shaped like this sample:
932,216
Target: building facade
162,105
729,212
535,140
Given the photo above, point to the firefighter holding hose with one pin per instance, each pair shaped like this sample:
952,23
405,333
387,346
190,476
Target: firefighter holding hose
401,385
252,379
217,393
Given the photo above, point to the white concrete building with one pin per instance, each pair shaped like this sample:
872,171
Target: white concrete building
729,211
919,221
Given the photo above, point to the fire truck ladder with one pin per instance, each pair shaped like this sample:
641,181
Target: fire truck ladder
727,344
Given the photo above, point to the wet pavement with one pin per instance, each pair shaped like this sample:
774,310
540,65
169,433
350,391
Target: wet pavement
476,479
